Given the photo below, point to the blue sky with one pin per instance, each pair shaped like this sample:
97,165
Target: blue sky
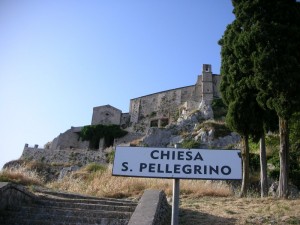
61,58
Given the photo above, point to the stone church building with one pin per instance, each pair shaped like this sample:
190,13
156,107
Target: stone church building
160,109
153,110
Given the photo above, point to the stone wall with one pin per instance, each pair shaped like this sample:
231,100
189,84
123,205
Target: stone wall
216,85
106,115
63,156
125,120
152,209
128,138
160,105
69,140
165,104
13,196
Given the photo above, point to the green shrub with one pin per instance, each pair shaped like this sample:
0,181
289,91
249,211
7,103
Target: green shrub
254,162
219,108
272,144
94,167
110,157
294,166
220,128
294,125
253,146
189,144
94,133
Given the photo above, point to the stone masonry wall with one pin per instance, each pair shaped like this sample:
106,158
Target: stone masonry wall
12,196
216,85
160,105
165,104
69,139
106,115
153,209
73,156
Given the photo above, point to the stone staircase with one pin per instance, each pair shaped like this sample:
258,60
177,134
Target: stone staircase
57,208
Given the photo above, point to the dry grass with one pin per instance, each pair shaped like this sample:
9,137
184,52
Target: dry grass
102,183
21,175
232,210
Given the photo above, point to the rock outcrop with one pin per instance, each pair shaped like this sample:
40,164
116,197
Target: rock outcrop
206,110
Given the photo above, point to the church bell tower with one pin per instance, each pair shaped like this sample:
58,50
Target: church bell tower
207,83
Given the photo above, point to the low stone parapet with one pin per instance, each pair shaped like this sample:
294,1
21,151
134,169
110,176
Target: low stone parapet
13,196
152,209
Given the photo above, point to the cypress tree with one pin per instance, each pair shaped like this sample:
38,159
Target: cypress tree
261,51
277,68
239,94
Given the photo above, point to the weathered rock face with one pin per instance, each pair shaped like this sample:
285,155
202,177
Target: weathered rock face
222,142
175,139
204,137
157,137
128,138
188,122
206,110
187,127
68,139
66,171
207,139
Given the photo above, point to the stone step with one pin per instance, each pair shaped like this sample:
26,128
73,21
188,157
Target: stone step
88,205
55,212
105,201
66,195
60,208
53,219
27,221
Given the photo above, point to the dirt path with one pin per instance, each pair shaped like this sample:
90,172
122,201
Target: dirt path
231,210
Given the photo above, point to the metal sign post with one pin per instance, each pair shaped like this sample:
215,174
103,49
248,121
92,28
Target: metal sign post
175,199
175,203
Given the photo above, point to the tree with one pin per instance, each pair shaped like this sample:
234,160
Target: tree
277,68
243,115
264,44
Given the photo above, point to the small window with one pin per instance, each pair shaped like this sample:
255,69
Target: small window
154,123
206,68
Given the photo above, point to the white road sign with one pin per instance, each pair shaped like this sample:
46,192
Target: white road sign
204,164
